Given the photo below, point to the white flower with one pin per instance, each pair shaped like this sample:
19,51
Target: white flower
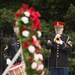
36,57
16,23
31,49
27,13
16,29
39,33
25,20
40,56
25,73
39,46
34,65
40,67
25,33
42,73
34,37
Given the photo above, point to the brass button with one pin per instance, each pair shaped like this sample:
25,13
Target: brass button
57,50
57,55
58,45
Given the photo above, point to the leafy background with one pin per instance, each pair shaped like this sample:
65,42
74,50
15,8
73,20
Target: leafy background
51,10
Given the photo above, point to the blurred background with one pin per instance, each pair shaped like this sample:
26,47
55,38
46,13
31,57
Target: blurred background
50,10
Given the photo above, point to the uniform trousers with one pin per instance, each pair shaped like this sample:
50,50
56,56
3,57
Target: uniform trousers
59,71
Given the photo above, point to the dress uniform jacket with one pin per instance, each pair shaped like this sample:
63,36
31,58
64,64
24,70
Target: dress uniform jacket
59,53
11,49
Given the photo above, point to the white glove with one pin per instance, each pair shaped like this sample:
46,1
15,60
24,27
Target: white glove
57,36
8,61
58,42
48,42
61,42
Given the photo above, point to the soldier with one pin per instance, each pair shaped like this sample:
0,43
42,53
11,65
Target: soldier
60,45
11,49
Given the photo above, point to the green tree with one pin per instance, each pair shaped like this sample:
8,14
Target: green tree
51,10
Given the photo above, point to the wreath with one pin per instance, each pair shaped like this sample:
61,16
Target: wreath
27,24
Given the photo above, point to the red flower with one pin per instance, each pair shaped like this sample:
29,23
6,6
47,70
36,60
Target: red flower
25,44
33,27
37,24
38,14
14,24
32,39
31,59
38,27
33,16
31,9
21,10
24,28
25,6
17,15
36,51
36,43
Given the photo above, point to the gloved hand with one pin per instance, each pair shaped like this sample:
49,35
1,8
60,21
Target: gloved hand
57,39
57,36
8,61
48,42
61,42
